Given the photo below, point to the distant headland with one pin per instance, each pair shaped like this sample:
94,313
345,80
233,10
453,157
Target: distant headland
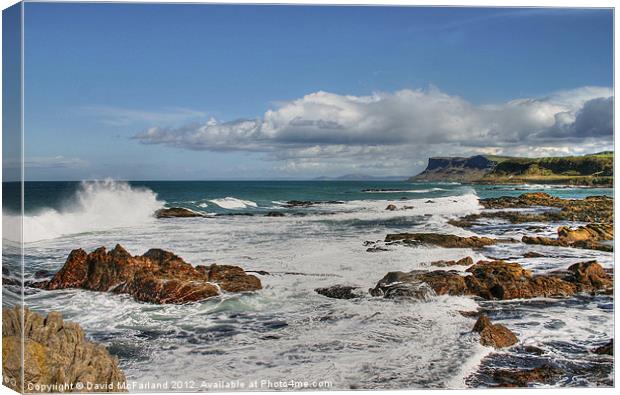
586,170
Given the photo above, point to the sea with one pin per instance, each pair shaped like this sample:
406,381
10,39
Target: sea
286,336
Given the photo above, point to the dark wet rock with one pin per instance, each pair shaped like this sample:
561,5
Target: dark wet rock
55,353
6,271
308,203
391,207
494,335
419,284
158,276
429,201
467,261
340,292
176,212
605,349
377,249
11,281
274,214
39,274
544,374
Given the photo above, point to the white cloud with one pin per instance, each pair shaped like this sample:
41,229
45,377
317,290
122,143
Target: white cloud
389,129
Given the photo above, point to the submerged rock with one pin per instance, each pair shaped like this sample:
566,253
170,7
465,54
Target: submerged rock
176,212
419,285
56,355
339,292
158,276
441,240
494,335
274,214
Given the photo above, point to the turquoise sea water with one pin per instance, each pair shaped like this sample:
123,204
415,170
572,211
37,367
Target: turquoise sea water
198,194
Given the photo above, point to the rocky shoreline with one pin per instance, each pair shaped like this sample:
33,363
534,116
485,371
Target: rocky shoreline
497,280
161,277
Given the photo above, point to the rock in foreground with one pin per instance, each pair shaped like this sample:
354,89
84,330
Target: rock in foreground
176,212
158,276
56,355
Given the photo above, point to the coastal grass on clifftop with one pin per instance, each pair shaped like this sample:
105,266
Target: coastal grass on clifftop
586,170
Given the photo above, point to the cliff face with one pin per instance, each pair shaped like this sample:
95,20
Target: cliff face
593,169
456,169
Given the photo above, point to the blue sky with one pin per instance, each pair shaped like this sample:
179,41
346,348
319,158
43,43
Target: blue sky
266,92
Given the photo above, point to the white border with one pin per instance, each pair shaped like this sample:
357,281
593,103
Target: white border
479,3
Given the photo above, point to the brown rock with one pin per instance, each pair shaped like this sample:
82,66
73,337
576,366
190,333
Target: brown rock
158,276
590,209
590,232
442,240
590,276
176,212
495,280
467,261
56,355
494,335
391,207
507,280
586,237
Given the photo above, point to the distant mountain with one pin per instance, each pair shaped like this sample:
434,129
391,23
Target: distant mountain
591,169
361,177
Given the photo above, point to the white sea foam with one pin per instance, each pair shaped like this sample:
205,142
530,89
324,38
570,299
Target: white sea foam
203,205
96,206
233,203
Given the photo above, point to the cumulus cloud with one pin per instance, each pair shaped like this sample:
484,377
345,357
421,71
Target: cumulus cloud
387,127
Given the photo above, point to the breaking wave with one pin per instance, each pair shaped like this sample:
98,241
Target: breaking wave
95,206
233,203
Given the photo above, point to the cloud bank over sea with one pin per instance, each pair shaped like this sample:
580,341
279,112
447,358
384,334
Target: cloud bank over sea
386,129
